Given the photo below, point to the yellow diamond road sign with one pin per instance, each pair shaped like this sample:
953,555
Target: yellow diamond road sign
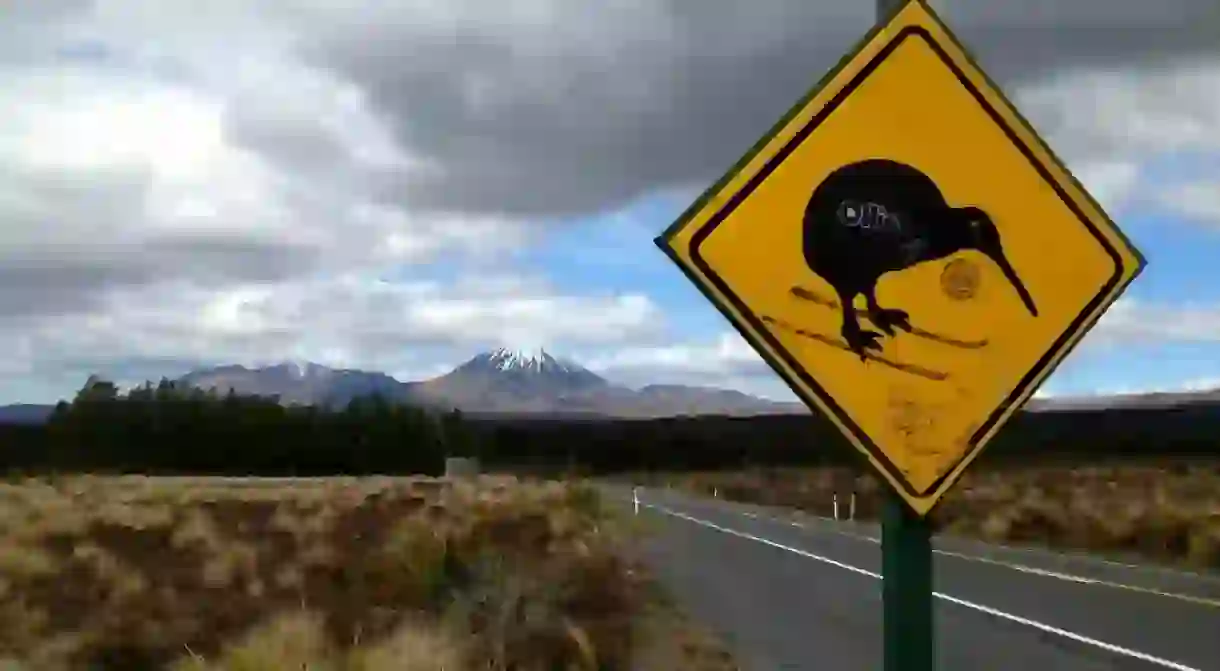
907,254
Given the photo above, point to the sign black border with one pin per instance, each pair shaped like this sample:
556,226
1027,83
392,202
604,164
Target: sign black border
1049,360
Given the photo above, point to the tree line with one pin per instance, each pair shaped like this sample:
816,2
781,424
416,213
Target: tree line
171,429
166,429
732,443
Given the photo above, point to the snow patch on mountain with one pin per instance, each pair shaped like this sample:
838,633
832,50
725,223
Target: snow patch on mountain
298,369
536,361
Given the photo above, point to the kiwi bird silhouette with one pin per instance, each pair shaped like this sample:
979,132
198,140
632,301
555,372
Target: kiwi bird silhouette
878,216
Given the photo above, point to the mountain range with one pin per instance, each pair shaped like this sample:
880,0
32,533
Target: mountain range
495,383
505,382
499,382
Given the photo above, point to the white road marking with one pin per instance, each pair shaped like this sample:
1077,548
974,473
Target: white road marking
1038,571
1080,638
1202,601
1076,556
1150,568
1069,577
829,524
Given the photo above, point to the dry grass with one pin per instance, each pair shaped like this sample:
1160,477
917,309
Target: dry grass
338,574
1167,512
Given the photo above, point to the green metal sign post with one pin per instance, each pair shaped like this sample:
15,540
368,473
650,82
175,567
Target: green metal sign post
906,569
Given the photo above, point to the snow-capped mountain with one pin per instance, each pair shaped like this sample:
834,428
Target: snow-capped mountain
518,372
514,381
501,381
510,360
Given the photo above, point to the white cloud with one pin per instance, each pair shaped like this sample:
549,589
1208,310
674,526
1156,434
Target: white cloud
728,354
368,319
1132,321
1198,200
1189,385
182,186
122,175
1111,126
727,362
411,328
1161,107
1111,182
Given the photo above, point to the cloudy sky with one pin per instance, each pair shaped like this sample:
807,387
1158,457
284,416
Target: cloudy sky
397,186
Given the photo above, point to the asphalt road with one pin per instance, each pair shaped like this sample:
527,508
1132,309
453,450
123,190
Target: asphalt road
800,592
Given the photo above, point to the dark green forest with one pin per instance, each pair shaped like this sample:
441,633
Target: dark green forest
162,429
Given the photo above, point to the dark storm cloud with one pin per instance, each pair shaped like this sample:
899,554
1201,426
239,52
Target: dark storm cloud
72,236
229,258
54,286
302,144
596,107
65,280
43,271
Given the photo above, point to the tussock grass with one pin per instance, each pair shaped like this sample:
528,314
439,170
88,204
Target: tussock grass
342,574
1166,512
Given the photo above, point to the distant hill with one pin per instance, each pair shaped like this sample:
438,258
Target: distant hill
1151,400
25,413
507,383
495,383
300,383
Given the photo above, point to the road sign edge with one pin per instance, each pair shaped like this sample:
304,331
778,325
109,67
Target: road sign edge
1055,160
1046,166
665,241
806,383
764,351
1122,277
1065,182
1098,222
738,166
1056,176
953,475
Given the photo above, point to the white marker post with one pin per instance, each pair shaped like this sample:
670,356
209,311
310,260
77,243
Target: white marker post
635,499
834,501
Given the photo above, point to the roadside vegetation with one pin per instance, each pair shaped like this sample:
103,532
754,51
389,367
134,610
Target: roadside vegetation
1168,512
371,559
368,574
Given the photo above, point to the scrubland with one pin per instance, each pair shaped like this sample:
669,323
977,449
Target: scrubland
366,574
1168,512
